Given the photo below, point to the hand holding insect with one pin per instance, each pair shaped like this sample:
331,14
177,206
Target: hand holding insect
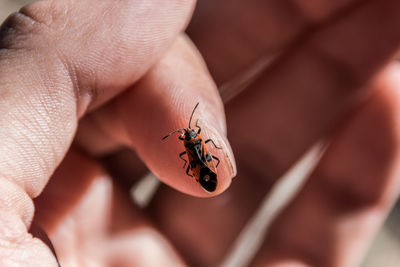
57,67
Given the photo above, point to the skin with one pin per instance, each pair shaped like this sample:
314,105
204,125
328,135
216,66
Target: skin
332,79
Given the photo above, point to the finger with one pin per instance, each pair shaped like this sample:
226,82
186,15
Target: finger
213,223
349,194
91,220
166,98
254,29
18,246
48,78
249,147
298,100
125,166
224,216
91,138
42,49
110,146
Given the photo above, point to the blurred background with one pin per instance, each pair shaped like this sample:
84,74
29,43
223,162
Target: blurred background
385,251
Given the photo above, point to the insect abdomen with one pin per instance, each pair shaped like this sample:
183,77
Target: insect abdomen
208,179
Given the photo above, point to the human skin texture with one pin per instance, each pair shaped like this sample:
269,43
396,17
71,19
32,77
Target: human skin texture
104,76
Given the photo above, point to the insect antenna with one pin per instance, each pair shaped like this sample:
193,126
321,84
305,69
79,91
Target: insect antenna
190,120
171,133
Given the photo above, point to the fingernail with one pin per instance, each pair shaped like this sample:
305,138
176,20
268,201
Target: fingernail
229,156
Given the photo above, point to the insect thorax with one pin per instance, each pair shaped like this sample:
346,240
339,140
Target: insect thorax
193,142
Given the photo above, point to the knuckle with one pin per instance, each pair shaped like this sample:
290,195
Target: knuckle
21,32
41,12
33,27
17,32
52,15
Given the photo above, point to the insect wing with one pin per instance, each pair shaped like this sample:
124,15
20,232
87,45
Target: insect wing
208,179
203,171
199,152
208,159
207,175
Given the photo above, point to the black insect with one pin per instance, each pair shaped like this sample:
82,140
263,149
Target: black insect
200,159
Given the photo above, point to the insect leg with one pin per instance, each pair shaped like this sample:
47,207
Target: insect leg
181,138
217,159
180,155
210,140
197,125
179,130
187,171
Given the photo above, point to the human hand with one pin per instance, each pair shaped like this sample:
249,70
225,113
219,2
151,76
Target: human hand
80,186
60,61
330,80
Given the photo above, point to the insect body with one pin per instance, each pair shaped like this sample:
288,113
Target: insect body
200,159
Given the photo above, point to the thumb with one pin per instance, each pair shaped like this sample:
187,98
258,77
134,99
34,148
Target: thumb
57,58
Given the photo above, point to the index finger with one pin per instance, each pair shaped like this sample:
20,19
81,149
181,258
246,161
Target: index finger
60,58
162,102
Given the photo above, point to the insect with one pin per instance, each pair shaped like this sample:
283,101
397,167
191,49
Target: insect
200,159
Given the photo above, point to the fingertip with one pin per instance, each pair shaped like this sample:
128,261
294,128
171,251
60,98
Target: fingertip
163,102
222,168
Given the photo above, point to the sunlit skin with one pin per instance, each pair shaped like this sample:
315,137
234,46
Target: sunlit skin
127,72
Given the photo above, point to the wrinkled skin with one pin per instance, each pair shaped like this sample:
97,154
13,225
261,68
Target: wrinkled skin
129,74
